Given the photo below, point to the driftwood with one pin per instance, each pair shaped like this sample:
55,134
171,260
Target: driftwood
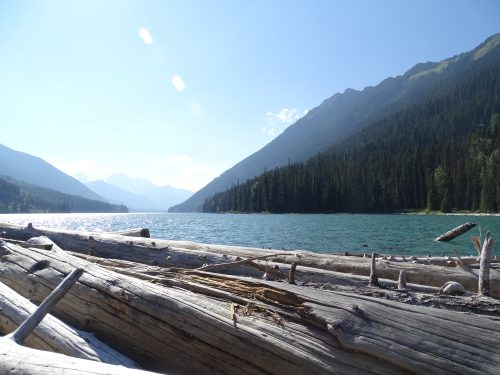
54,335
16,359
484,270
186,254
135,232
198,322
455,232
178,329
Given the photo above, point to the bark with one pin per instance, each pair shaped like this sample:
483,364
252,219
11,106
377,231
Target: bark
455,232
186,254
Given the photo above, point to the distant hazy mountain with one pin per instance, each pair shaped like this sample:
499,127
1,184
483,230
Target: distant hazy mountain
132,184
341,116
21,197
138,194
33,170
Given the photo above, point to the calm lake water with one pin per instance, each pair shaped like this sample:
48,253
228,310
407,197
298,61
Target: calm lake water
395,234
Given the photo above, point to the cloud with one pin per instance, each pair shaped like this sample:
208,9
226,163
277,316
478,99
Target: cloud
145,35
277,122
178,83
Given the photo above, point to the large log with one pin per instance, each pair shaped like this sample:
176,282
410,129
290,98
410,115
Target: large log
186,254
54,335
199,322
16,359
175,329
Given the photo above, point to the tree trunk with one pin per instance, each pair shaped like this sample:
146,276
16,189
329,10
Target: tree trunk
54,335
186,254
197,322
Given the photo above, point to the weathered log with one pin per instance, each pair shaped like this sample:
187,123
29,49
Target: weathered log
54,335
174,328
304,274
135,232
16,359
455,232
484,266
300,319
186,254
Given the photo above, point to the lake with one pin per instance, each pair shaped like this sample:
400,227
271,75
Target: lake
394,234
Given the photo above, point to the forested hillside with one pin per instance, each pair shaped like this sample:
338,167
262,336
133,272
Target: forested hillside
20,197
441,154
342,115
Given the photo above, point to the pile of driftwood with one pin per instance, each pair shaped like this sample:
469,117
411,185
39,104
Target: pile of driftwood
182,307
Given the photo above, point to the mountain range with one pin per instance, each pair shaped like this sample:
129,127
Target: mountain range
30,184
36,171
137,193
344,115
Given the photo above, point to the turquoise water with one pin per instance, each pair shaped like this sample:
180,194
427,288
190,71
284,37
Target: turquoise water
395,234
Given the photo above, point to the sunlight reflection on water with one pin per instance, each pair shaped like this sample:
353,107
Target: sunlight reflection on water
397,234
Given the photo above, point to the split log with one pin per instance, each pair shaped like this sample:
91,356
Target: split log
455,232
304,274
186,254
484,270
286,329
54,335
177,329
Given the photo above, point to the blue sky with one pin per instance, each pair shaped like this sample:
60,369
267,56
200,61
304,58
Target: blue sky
179,91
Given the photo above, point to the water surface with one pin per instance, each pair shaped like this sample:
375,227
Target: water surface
395,234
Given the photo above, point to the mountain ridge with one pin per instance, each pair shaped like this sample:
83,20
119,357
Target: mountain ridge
34,170
138,194
342,115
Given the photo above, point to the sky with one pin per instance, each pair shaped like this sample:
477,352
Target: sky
177,92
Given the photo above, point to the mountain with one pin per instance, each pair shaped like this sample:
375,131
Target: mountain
138,194
132,184
33,170
344,114
21,197
441,153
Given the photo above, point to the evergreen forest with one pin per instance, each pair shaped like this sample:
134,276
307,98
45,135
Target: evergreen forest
441,154
20,197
